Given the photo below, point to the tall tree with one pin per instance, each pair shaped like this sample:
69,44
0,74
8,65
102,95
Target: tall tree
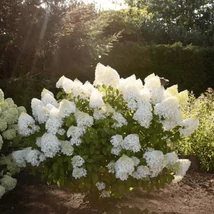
177,20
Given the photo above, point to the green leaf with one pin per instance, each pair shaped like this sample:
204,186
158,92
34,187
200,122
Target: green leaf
59,94
94,178
91,150
89,167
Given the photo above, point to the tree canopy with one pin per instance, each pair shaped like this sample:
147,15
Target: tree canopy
169,21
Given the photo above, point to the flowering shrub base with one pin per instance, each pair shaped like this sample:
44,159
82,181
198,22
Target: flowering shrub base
109,137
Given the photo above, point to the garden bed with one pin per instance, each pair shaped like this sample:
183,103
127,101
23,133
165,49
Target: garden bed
193,195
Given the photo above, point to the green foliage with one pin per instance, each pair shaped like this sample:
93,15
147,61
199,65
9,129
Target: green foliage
201,143
169,21
166,21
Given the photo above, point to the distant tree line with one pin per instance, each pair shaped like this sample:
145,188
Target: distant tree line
43,40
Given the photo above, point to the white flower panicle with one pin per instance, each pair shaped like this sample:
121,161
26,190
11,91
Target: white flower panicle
116,150
105,194
66,84
180,168
54,122
79,172
26,125
131,95
141,172
77,161
169,110
83,119
8,183
45,92
21,109
20,156
38,141
96,100
3,124
76,132
99,114
77,89
145,96
87,89
131,142
183,97
66,148
120,120
10,164
116,140
10,102
75,141
66,108
171,158
155,161
109,109
130,81
143,115
40,112
47,97
61,131
100,186
59,83
11,115
153,84
111,167
105,75
189,126
50,145
136,160
124,167
173,91
33,157
53,125
130,89
9,134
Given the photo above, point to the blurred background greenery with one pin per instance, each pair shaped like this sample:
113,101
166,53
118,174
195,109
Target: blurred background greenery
41,40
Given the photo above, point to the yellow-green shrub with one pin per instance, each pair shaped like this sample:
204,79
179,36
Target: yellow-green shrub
201,143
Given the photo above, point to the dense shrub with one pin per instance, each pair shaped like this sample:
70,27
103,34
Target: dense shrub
9,141
190,67
201,143
106,138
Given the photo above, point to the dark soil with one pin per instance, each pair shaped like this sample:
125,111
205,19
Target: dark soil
193,195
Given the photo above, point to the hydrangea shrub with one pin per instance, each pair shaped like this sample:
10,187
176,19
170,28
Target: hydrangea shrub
108,137
9,138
